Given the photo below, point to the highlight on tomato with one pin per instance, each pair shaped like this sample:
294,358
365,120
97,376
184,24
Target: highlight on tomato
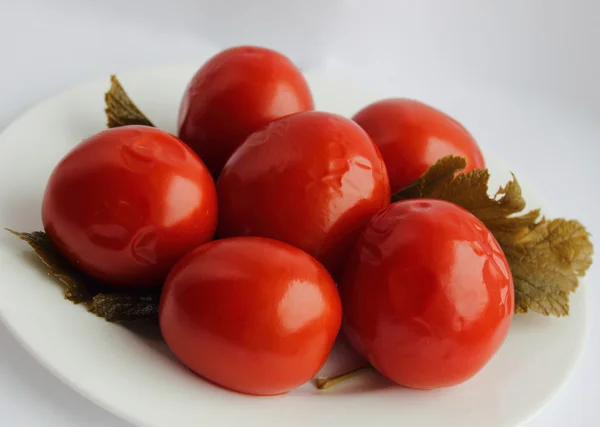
235,93
250,314
428,294
312,180
127,203
412,136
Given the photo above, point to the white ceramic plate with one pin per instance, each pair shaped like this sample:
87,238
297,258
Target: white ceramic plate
138,378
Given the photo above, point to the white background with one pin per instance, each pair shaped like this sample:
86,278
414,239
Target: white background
549,48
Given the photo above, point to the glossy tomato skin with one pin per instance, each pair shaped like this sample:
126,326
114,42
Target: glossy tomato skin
427,293
412,136
312,180
235,93
253,315
125,204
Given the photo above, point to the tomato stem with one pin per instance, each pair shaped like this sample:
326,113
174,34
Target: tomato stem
327,382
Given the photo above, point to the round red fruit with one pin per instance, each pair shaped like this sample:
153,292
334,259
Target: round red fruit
234,94
412,136
125,204
253,315
312,180
427,293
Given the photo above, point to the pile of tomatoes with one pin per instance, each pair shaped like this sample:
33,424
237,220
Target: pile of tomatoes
269,227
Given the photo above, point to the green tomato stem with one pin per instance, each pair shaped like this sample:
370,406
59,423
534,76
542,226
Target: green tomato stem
324,383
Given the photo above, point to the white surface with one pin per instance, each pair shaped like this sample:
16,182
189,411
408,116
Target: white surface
544,50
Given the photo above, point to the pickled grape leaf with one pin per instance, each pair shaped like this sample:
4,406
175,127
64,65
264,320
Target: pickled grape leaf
80,289
77,288
120,109
121,307
546,256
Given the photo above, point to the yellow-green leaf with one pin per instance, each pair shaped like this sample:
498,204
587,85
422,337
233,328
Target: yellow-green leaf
120,109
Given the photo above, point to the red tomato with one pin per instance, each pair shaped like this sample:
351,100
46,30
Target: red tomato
234,94
253,315
412,136
127,203
428,294
312,180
